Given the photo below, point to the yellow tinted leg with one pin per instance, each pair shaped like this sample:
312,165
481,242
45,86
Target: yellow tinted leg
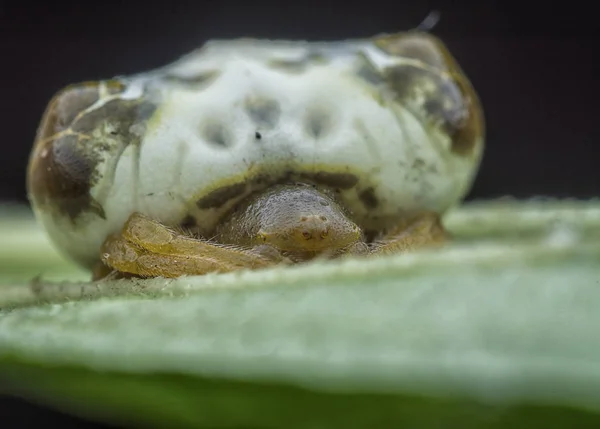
420,231
146,248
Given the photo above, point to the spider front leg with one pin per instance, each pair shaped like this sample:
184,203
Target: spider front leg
420,231
147,248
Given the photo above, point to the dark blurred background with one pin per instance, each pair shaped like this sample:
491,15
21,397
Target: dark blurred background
534,65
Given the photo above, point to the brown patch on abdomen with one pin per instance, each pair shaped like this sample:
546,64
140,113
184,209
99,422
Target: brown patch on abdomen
72,141
61,176
450,102
471,129
65,106
58,174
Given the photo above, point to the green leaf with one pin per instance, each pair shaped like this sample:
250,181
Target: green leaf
499,329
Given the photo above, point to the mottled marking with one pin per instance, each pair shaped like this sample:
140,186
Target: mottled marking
439,100
71,142
59,173
119,114
201,80
63,177
368,198
221,196
407,81
434,88
264,112
469,130
65,106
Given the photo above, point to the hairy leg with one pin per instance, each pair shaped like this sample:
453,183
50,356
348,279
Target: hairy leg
420,231
146,248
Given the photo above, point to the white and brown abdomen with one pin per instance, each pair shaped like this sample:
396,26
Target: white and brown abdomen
391,123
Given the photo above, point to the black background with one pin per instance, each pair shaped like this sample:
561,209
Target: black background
533,65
